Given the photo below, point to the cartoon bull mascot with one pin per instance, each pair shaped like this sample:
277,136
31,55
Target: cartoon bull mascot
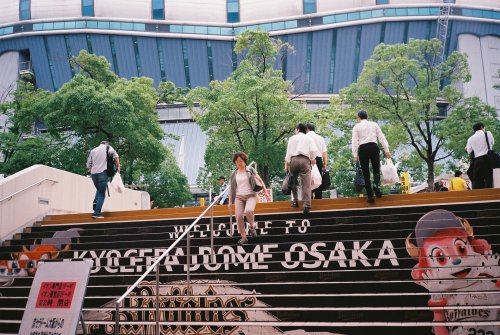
460,272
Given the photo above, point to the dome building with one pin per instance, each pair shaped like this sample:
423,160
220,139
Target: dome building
190,42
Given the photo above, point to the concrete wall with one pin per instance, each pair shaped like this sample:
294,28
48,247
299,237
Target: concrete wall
65,192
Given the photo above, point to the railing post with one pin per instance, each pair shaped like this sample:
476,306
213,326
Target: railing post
157,317
117,318
212,233
188,263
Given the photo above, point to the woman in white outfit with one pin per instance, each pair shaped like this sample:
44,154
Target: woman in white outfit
243,196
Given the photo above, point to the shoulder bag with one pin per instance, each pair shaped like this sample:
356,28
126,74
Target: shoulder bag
254,182
493,157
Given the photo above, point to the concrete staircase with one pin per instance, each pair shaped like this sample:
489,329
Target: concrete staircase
343,269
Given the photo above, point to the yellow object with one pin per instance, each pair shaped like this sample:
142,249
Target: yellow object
202,202
405,182
458,184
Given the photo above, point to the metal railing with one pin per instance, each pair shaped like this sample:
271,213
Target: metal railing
28,187
156,264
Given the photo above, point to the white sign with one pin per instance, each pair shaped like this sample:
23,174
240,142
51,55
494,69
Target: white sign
56,298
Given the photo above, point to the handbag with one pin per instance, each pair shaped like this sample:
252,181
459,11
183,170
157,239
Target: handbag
254,182
315,177
389,173
288,184
493,157
359,180
326,182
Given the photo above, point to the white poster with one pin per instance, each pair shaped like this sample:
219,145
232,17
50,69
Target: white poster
56,298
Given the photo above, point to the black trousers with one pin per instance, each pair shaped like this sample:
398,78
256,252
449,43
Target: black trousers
370,152
318,193
482,176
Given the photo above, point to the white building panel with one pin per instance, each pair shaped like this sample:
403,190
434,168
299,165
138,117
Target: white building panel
9,11
328,6
123,9
479,3
484,62
44,9
197,10
265,10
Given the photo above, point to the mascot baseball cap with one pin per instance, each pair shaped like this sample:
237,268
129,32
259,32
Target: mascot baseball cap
433,222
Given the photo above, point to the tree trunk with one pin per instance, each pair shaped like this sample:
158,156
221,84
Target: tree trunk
265,175
430,176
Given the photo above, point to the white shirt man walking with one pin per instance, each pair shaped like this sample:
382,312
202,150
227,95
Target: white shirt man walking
482,173
300,154
321,156
97,165
365,149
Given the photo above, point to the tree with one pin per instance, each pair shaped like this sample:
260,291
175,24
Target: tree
167,185
457,128
95,105
400,86
250,111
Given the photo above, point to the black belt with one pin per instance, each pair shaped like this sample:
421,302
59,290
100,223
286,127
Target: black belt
301,156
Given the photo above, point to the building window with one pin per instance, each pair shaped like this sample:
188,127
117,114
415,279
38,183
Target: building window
382,2
309,6
210,61
25,10
87,7
308,62
158,10
333,56
113,54
137,56
233,11
161,57
186,63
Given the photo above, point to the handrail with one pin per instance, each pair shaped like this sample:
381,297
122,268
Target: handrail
163,255
28,187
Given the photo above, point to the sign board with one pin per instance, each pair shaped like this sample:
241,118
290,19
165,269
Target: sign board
405,182
56,298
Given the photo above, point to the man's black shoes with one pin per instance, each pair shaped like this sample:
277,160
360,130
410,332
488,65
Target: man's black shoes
378,194
295,204
370,200
306,210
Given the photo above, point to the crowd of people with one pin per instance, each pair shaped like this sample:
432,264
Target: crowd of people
306,149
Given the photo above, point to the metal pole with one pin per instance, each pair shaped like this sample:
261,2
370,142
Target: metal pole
231,221
157,317
212,233
83,324
188,262
117,319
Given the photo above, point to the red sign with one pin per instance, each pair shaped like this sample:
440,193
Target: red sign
55,295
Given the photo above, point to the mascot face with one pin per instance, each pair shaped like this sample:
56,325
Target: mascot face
451,257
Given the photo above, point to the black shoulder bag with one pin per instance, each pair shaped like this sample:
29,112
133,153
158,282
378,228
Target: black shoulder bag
493,157
110,164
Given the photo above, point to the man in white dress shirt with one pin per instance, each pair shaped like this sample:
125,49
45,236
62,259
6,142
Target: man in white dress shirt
321,156
482,175
365,149
300,154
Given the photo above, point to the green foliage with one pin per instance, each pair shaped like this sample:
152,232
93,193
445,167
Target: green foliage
169,93
167,185
251,111
399,87
458,126
95,105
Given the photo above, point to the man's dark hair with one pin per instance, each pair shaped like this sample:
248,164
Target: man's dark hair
310,127
105,142
302,128
458,173
478,126
362,114
222,177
